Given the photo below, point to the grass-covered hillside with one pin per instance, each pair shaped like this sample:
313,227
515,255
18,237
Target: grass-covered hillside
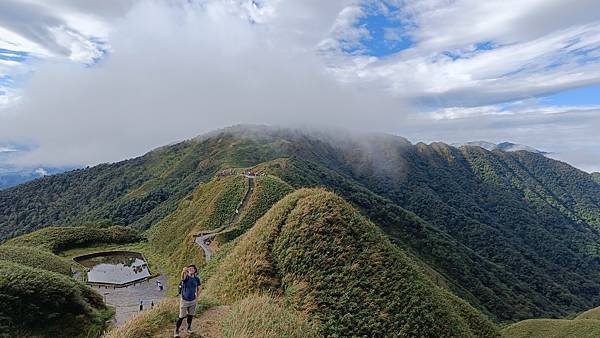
57,239
138,192
211,207
596,177
332,264
513,234
35,258
38,296
585,325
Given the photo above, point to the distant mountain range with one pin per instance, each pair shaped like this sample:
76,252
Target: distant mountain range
505,146
10,176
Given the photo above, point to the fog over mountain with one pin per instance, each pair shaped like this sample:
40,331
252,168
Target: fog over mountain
93,82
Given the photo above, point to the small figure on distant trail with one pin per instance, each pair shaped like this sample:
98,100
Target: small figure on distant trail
160,285
189,288
152,305
141,305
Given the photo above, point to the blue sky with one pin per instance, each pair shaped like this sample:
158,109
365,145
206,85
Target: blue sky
77,78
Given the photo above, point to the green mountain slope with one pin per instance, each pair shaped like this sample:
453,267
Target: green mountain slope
515,234
335,265
596,177
40,302
553,328
138,192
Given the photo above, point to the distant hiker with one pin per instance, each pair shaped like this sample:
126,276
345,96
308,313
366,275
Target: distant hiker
152,305
159,284
141,305
189,288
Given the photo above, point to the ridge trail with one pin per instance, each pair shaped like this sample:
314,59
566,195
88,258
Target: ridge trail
203,237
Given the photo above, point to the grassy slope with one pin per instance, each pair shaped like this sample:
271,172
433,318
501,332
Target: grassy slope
487,286
553,328
334,265
210,207
57,239
267,191
138,192
590,314
263,316
59,307
596,177
35,258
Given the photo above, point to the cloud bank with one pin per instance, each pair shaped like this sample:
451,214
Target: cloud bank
106,82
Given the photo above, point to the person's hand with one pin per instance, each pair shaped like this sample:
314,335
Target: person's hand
185,271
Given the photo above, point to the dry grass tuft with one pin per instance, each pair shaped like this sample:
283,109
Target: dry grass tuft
262,316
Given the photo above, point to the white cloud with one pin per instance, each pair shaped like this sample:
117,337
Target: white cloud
178,68
7,149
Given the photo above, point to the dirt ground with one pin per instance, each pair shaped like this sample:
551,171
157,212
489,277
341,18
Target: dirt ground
207,324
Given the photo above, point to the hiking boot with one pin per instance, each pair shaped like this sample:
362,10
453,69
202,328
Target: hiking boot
176,335
189,330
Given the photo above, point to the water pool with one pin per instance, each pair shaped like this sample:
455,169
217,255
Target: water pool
117,268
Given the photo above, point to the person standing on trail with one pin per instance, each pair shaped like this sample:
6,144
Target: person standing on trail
189,287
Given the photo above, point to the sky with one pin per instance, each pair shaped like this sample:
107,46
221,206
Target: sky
84,82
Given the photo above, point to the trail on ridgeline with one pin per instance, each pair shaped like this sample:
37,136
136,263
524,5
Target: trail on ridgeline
203,237
208,323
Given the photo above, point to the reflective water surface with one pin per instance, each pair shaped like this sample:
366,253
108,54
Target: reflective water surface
119,268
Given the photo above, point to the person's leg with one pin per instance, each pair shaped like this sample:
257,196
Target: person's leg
182,314
191,310
178,324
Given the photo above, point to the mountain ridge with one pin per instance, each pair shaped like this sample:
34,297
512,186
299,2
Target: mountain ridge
513,233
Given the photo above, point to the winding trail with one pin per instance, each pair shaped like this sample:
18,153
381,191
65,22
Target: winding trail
203,237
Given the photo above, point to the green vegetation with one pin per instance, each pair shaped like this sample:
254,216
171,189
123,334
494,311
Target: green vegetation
553,328
35,258
496,248
39,302
163,314
263,316
513,234
57,239
266,192
338,268
596,177
137,192
209,207
146,323
590,314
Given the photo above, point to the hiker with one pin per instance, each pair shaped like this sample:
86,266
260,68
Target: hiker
189,288
159,284
141,305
